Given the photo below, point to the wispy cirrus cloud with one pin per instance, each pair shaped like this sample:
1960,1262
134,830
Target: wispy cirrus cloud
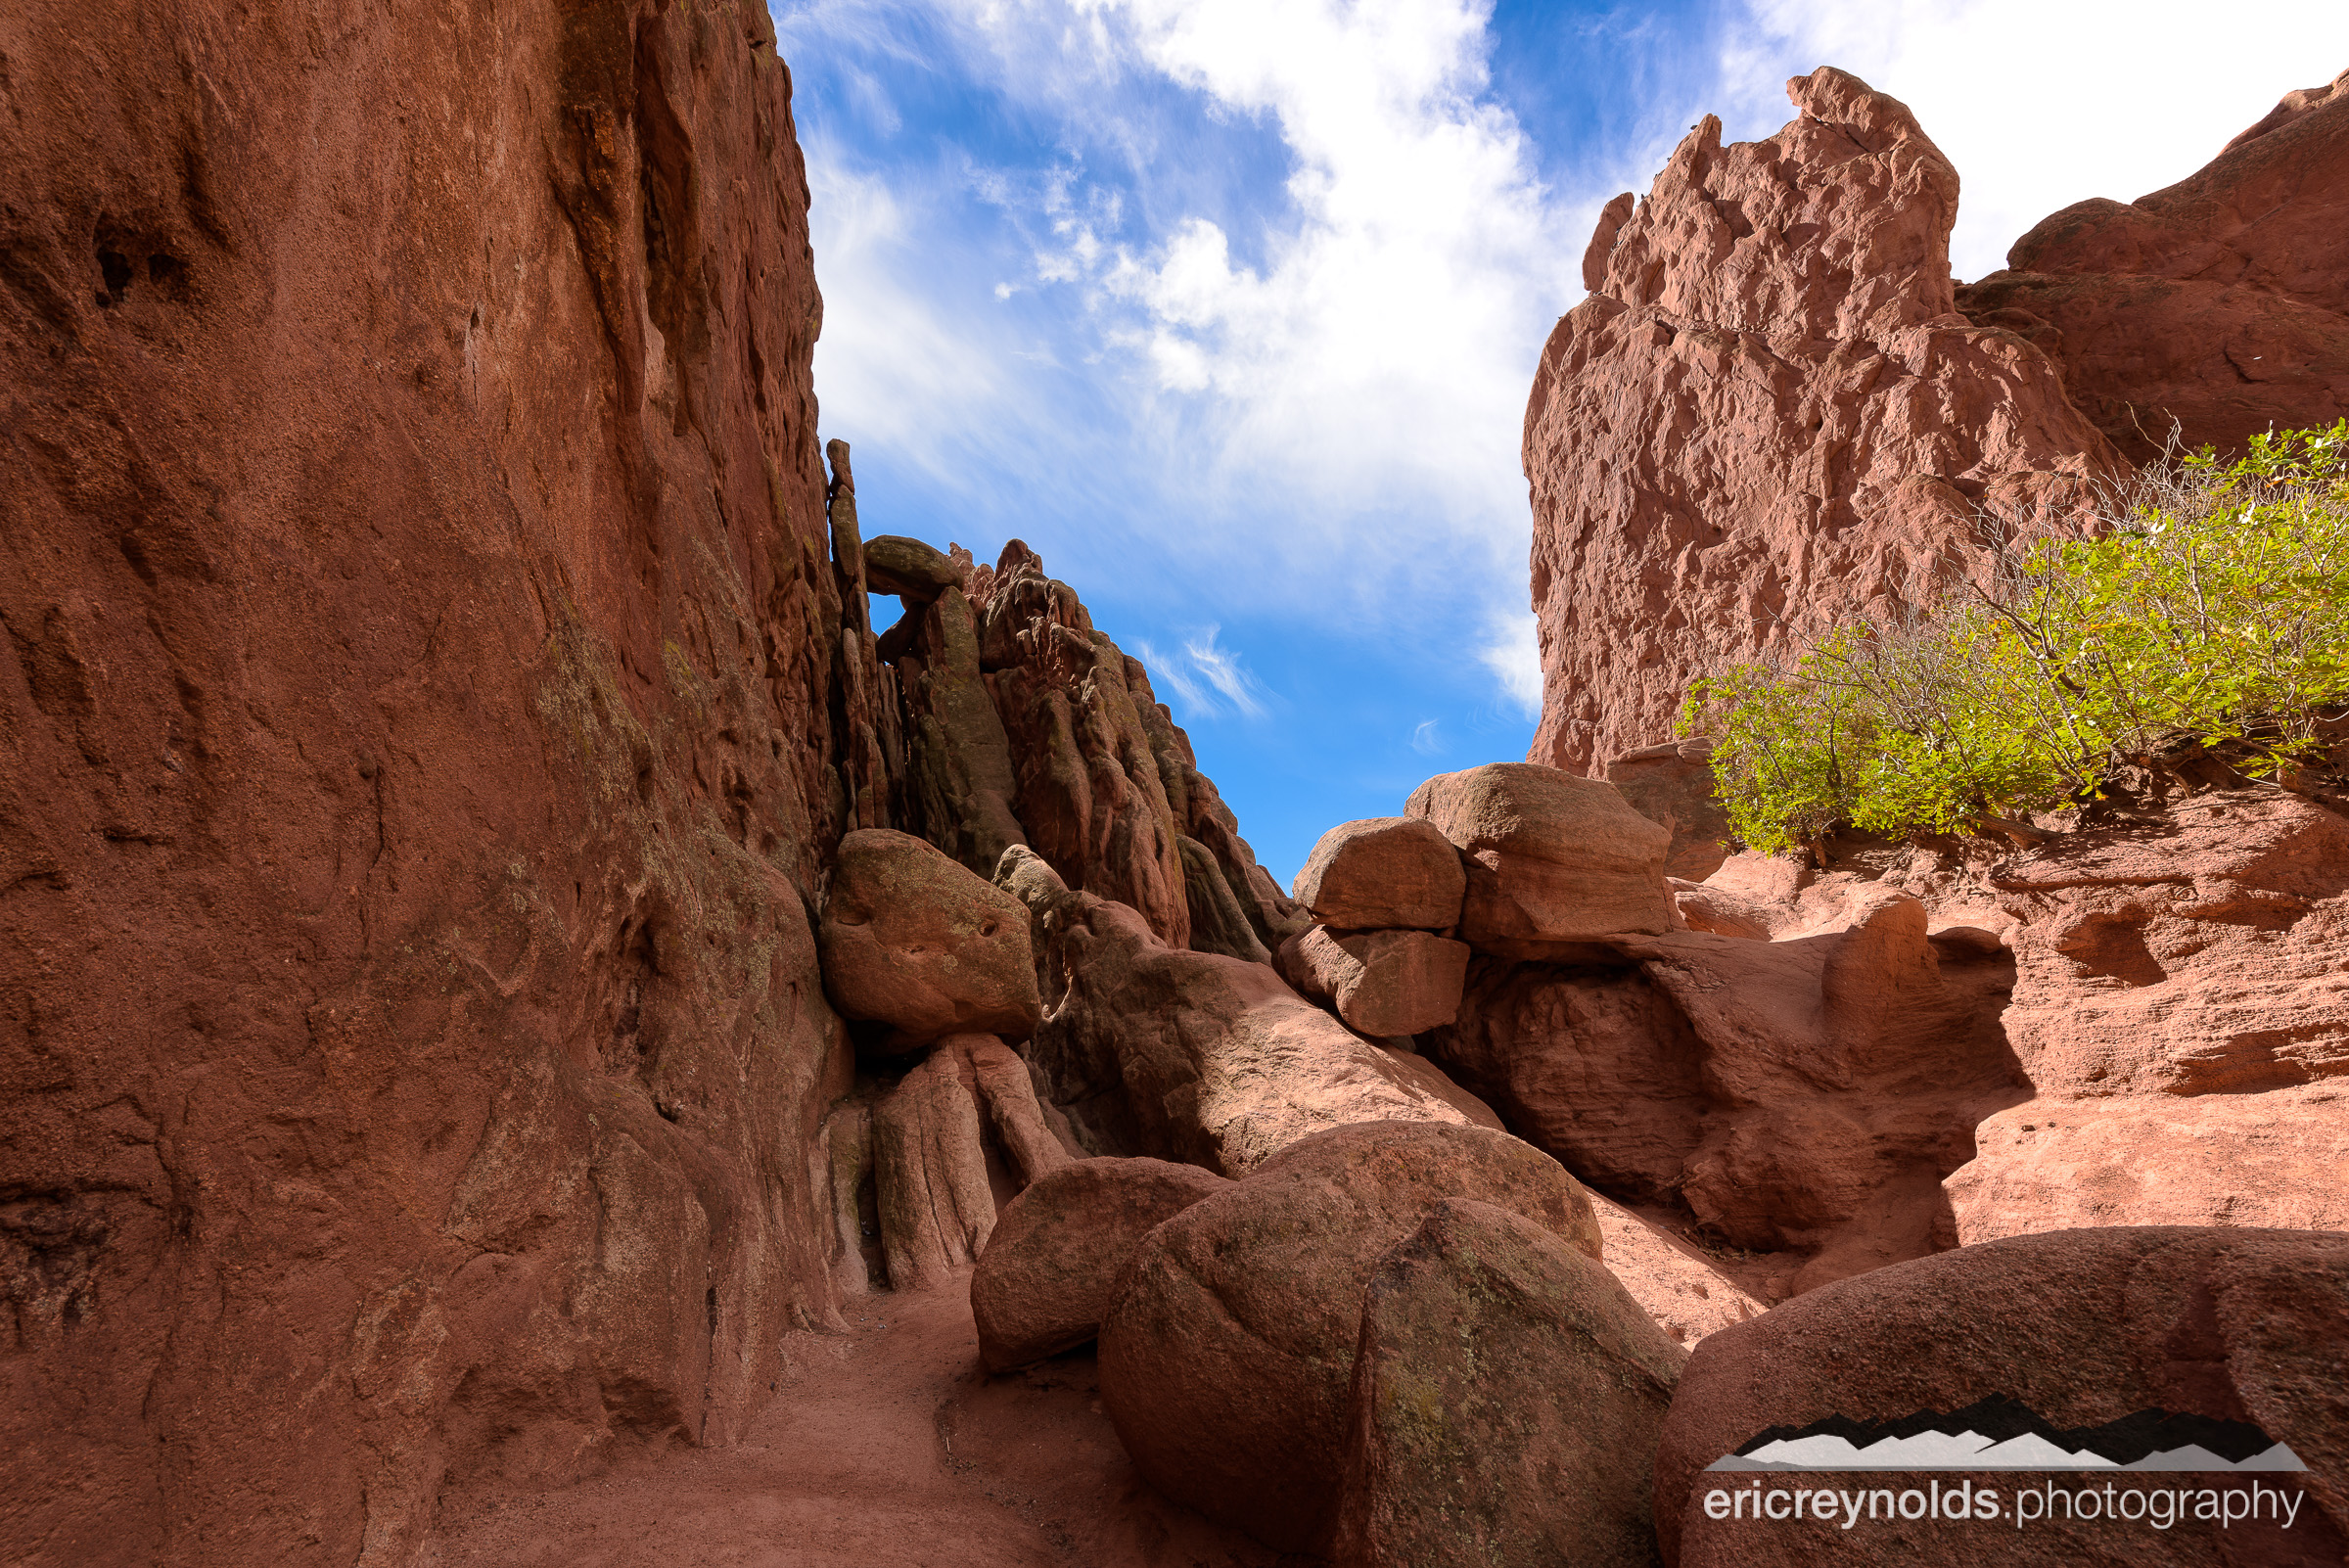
1208,679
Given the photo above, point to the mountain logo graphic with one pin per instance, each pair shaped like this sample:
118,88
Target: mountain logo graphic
2001,1433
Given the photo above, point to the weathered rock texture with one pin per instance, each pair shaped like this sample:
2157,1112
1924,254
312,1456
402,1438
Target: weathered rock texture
436,673
1552,859
1227,1360
914,941
1769,415
949,1144
2219,304
2274,1158
1382,983
1506,1401
2196,955
1803,1097
1025,725
1049,1273
1383,872
1685,1290
2082,1327
422,668
1179,1055
1672,785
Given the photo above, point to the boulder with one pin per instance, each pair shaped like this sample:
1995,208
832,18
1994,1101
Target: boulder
1768,418
908,567
1673,786
1506,1400
2080,1327
1226,1359
1192,1056
1384,983
1383,872
1046,1276
2280,1159
913,940
1552,861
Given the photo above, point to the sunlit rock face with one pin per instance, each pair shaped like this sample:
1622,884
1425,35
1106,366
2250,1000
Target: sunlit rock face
1768,416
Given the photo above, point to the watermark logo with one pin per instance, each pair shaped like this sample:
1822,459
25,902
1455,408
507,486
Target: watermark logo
2155,1468
1999,1433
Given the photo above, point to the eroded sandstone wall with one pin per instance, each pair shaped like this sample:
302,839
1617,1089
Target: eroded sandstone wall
422,663
1768,416
2210,311
1776,412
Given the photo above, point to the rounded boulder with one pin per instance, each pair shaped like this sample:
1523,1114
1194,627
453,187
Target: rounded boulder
1552,859
1051,1268
1386,873
913,939
1226,1359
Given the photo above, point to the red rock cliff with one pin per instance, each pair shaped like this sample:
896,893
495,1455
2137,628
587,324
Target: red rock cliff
1776,412
438,675
2220,305
1769,415
419,677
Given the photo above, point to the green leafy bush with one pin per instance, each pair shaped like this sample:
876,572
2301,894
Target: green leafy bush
2205,601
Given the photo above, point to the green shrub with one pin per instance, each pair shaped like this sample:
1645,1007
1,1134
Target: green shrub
2204,601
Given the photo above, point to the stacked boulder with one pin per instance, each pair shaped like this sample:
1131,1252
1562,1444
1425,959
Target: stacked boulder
1379,892
1512,859
936,963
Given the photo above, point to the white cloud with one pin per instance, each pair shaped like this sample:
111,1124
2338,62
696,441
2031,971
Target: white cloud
1207,677
1330,368
915,379
1512,652
2042,105
1425,740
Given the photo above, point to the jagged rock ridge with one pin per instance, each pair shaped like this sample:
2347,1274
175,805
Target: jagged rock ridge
1768,416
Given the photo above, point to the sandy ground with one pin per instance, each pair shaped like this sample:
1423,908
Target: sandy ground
885,1448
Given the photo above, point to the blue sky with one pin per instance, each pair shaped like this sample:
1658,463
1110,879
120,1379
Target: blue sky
1229,307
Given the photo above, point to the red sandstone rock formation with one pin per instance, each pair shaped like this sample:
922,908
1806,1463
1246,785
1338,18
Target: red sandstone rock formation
1768,416
421,666
437,673
1050,1271
1226,1359
2083,1327
2220,304
1803,1098
1506,1392
1180,1055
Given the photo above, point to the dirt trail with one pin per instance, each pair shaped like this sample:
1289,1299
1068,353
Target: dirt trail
884,1448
